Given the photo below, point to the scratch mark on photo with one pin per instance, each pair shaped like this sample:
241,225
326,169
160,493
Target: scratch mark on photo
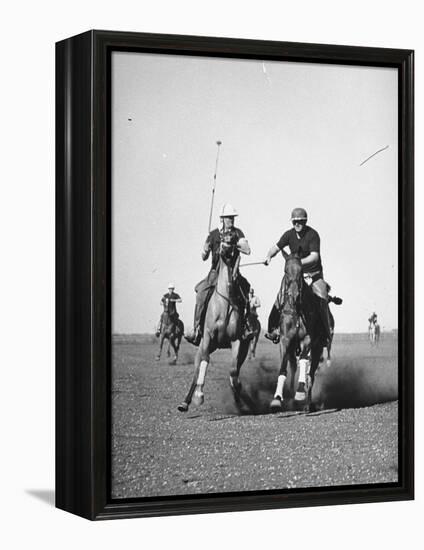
373,155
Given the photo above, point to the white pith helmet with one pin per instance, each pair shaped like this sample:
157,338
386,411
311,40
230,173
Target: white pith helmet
228,211
171,285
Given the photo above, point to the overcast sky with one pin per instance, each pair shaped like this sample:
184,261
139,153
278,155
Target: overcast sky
293,134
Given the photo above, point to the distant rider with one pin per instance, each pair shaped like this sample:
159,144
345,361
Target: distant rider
373,319
254,303
169,301
305,239
225,235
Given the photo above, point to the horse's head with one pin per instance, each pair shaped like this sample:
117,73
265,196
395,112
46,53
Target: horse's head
293,279
168,319
293,266
229,260
228,248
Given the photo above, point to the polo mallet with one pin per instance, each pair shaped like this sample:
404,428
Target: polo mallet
214,185
253,263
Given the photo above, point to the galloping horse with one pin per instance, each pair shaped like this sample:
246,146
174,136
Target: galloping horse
300,316
172,329
255,327
222,328
374,333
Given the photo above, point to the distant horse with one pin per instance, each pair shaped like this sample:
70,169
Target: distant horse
172,329
374,333
255,326
222,328
300,316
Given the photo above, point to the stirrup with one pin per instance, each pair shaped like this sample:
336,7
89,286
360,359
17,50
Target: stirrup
273,336
247,332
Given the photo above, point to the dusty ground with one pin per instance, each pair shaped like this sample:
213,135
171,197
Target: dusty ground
159,451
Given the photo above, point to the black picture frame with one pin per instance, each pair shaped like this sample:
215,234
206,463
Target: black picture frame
83,289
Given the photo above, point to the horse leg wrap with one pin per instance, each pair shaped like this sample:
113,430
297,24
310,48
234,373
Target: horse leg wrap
300,393
280,385
198,394
303,365
202,373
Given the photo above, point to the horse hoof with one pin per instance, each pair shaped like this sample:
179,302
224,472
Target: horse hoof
198,399
183,407
157,357
300,396
276,405
173,362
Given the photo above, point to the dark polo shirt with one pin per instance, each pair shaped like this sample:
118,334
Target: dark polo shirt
170,307
308,242
214,240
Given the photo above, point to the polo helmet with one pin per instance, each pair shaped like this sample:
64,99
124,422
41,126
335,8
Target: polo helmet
299,214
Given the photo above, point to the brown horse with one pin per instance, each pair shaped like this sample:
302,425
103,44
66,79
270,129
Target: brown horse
172,329
299,317
222,328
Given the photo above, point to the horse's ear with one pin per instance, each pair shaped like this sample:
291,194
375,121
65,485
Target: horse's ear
285,255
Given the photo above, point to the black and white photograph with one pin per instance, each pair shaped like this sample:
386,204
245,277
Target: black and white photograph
254,275
211,327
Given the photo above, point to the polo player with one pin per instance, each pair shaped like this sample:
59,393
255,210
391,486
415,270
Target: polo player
303,239
169,301
226,235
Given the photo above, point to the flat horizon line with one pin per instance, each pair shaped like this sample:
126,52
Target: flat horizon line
387,331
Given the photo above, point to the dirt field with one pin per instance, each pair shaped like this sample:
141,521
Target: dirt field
158,451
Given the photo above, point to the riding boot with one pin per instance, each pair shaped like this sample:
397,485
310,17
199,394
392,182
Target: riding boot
247,332
325,319
194,336
335,299
273,320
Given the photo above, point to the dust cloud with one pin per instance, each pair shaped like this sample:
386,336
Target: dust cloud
357,383
348,383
